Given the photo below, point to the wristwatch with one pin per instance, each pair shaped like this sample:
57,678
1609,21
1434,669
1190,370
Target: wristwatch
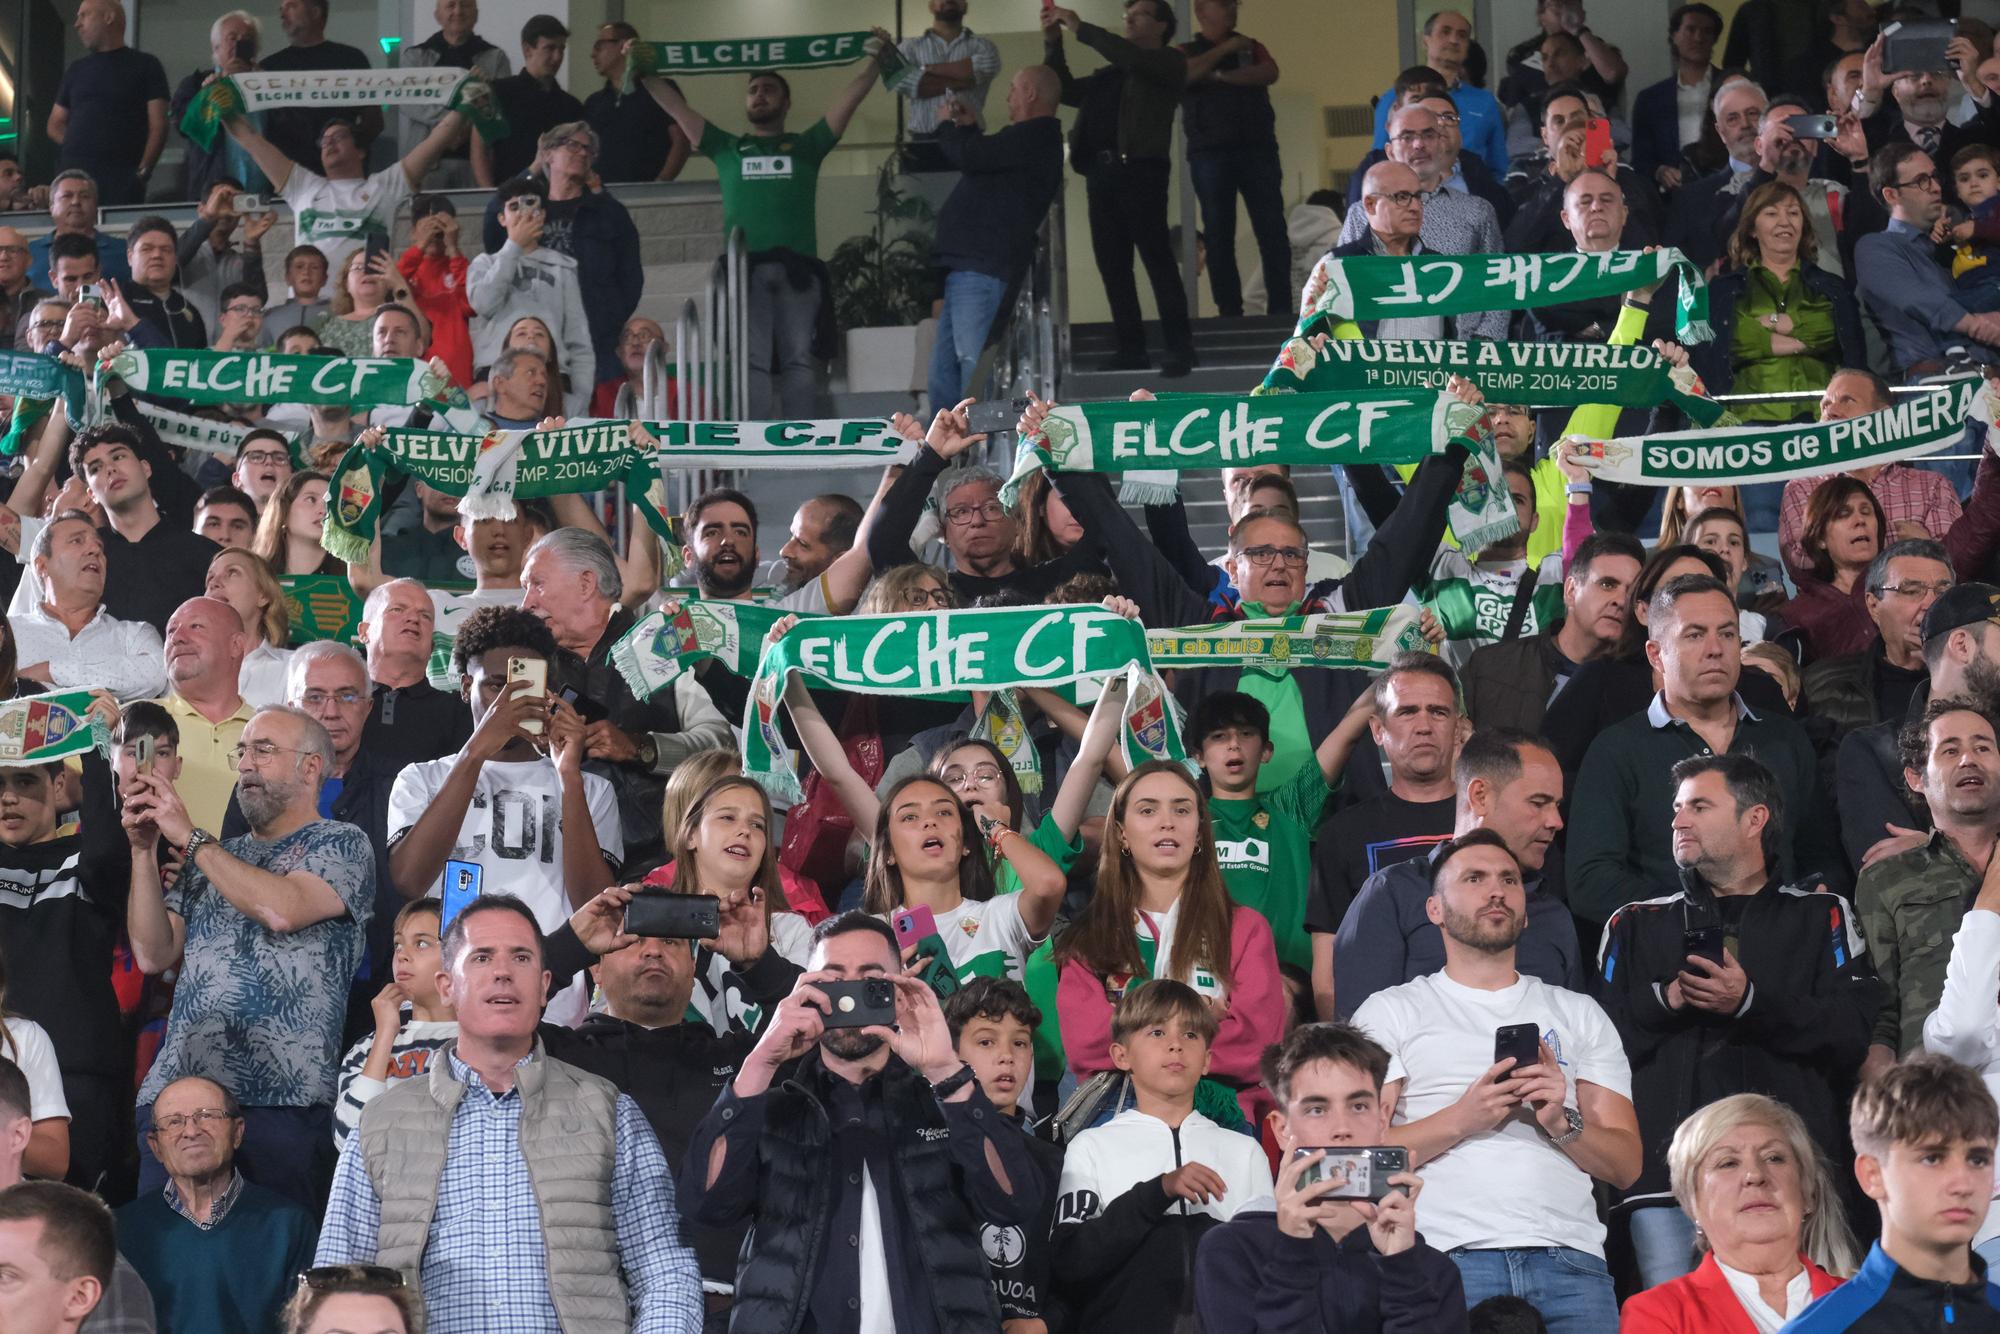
196,839
1573,1117
649,750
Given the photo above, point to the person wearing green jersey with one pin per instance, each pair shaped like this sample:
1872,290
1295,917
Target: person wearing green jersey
1263,841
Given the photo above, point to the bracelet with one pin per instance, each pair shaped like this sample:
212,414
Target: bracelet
1577,488
952,1083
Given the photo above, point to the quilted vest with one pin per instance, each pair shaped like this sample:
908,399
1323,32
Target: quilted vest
568,1136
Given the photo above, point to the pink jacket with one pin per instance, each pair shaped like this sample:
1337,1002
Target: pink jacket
1255,1020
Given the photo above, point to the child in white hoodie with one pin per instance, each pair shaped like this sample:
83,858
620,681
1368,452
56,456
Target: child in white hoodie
525,277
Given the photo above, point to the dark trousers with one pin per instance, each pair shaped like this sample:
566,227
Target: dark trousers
98,1128
1254,173
286,1149
1128,210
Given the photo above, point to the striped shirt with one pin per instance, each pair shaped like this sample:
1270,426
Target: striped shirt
927,48
416,1044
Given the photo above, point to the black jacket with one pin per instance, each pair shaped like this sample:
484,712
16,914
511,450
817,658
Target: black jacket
675,1075
415,722
788,1186
1538,200
989,222
1803,1028
1507,683
605,694
1249,1276
1868,783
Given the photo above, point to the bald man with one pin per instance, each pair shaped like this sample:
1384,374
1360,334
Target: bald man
110,114
1392,199
986,230
17,295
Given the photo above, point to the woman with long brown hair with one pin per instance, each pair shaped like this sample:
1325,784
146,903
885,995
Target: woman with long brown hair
288,532
244,580
1161,910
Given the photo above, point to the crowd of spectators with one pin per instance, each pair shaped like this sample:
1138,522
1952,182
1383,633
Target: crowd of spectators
321,1012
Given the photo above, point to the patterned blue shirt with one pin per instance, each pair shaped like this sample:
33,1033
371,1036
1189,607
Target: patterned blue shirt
485,1263
260,1011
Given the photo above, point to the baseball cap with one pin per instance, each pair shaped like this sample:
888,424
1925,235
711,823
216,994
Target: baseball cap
1962,604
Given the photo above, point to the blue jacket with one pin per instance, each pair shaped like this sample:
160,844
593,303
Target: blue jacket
1711,359
1883,1298
606,247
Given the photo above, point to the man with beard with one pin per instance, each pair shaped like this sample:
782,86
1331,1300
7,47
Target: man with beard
879,1133
571,581
1508,1161
1919,115
1617,835
823,531
1777,997
1783,156
544,1201
1926,319
1911,902
1508,782
266,930
1962,660
205,648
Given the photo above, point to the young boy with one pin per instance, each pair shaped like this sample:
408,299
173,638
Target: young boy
1311,1256
1264,840
435,268
993,1026
1139,1191
1924,1133
398,1049
305,274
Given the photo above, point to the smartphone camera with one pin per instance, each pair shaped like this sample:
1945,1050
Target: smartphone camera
866,1003
1357,1174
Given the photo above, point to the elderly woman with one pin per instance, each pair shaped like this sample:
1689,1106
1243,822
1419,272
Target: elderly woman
1767,1223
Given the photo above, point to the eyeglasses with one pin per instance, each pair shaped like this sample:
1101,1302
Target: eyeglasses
992,511
580,145
244,308
45,324
1926,181
1446,117
980,775
1913,589
1400,198
263,750
259,457
317,699
207,1116
13,250
525,202
1411,137
929,597
1262,556
325,1278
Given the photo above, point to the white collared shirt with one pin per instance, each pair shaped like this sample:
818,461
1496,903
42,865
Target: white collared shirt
124,657
261,679
1798,1295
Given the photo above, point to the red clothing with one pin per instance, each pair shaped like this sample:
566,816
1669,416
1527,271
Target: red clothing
437,282
801,895
1905,494
604,398
1702,1303
1255,1020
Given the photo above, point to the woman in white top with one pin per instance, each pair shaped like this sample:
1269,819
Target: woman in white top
26,1043
246,583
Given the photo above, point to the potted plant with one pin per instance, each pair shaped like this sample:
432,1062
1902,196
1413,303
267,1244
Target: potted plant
882,285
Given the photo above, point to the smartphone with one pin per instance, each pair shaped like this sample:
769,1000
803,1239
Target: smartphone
1703,942
246,49
249,203
1523,1042
1917,45
462,881
93,293
537,671
1596,142
999,415
142,755
377,244
586,708
1362,1174
666,915
871,1000
913,924
1811,127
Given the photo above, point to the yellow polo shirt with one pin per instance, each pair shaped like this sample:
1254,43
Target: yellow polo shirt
208,766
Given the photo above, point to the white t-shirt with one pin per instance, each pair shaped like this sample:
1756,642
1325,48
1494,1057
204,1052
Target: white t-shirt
986,939
513,830
337,216
1508,1187
36,1056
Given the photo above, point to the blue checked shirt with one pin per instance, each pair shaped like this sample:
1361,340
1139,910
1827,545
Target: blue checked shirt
485,1266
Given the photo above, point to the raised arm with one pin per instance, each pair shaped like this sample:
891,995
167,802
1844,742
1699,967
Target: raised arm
419,161
841,110
279,903
823,747
1100,736
847,578
276,167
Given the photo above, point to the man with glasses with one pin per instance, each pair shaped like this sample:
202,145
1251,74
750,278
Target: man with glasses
266,930
217,1252
1930,322
1856,690
454,46
1450,222
18,296
205,647
1919,116
1740,107
239,320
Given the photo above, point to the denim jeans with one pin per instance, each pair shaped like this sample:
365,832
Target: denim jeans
1254,173
971,300
782,319
285,1149
1572,1289
1662,1244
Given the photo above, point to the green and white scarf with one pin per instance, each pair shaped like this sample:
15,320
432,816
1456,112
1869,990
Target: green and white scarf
1913,425
1538,374
1003,724
488,472
43,728
204,435
790,446
663,644
236,95
321,606
1360,640
1177,432
273,377
933,653
34,382
745,55
1380,287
